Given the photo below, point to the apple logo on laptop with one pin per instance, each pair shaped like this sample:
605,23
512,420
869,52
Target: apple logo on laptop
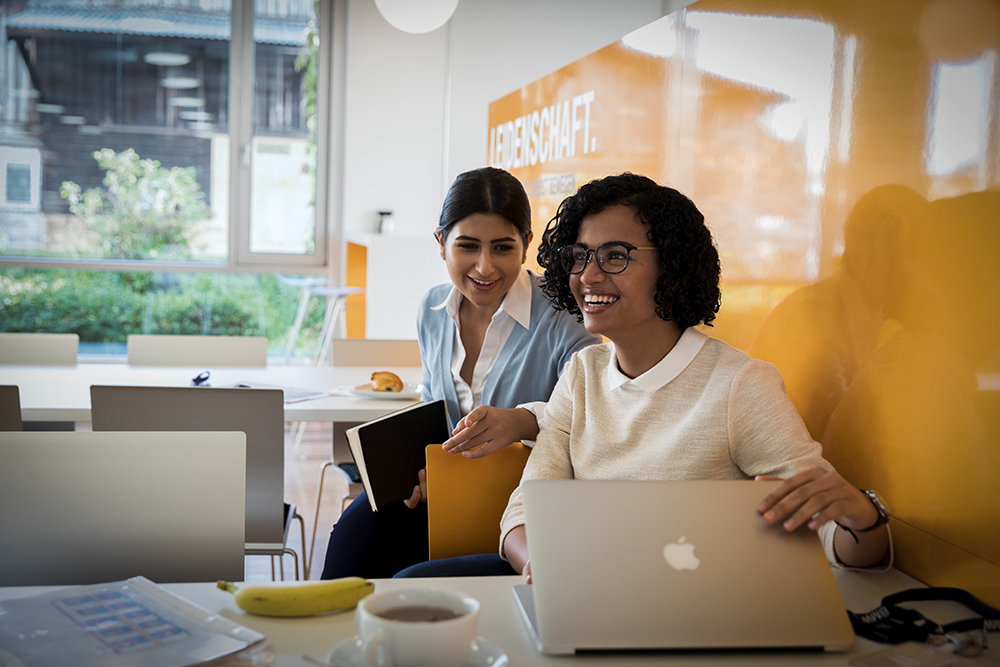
680,555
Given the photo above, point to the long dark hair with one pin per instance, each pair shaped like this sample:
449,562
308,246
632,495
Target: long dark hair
486,190
687,289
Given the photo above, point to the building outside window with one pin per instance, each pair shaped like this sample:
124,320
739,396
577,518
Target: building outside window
176,139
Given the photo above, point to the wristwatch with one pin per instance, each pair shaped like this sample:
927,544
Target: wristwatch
883,513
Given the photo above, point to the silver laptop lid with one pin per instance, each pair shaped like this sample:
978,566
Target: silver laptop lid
674,565
82,508
260,413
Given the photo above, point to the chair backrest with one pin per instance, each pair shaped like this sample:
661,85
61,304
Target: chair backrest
257,412
148,350
39,348
375,353
466,498
83,508
10,408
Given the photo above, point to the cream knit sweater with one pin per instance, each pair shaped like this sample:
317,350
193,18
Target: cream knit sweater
707,411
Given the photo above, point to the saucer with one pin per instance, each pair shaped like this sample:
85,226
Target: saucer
484,654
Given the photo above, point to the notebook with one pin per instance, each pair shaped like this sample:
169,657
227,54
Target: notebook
389,451
672,565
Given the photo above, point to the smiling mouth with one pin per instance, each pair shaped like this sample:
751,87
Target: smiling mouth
599,299
484,283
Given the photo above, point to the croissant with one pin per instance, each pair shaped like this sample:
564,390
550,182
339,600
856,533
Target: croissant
386,381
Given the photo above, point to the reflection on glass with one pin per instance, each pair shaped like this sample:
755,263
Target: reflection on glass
785,121
97,159
960,115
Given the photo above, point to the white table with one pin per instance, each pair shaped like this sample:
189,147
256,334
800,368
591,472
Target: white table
501,624
62,393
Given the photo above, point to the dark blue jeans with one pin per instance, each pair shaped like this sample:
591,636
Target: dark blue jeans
479,565
376,545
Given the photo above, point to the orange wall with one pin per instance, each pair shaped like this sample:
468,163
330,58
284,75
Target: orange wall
357,276
776,118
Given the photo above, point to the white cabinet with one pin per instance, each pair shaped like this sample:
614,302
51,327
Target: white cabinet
398,272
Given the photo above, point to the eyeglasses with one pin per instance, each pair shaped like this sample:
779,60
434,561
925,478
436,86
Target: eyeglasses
611,257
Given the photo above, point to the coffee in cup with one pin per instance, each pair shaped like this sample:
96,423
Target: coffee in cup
417,627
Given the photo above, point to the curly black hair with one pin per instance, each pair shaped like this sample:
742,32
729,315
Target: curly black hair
687,290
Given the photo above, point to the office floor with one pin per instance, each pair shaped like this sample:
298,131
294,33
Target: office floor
301,478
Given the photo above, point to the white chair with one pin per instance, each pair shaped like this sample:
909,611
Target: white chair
39,348
156,350
257,412
376,354
334,297
84,508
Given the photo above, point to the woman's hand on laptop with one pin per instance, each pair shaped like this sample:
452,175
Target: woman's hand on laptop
492,428
816,496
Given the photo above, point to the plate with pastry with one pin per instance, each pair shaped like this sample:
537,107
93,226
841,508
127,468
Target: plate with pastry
387,386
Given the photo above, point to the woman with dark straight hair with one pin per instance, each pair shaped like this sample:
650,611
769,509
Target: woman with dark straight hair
491,347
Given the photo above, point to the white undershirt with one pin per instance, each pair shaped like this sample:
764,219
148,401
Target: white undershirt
515,309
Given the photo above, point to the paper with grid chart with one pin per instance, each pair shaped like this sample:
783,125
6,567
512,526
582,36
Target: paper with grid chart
131,622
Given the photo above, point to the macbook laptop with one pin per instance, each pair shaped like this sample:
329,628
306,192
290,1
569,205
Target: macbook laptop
672,565
82,508
260,413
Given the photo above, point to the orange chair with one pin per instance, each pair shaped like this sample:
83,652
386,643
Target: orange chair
466,498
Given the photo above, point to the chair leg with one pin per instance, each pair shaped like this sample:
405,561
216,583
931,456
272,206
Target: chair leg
295,559
300,315
305,565
319,498
298,430
329,327
272,568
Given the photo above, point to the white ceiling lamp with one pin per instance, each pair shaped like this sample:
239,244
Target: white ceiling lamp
167,59
72,120
195,115
180,82
416,16
186,102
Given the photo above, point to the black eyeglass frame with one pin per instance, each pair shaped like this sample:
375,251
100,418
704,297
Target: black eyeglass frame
565,257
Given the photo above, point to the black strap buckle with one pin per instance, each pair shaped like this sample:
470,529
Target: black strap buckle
893,624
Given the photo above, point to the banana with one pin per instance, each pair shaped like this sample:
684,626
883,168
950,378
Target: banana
299,598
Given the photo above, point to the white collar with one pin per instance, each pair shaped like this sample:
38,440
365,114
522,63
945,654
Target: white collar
516,303
666,369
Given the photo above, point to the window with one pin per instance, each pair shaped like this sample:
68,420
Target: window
18,187
162,132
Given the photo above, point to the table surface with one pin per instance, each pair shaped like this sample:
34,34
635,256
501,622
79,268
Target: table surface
62,393
501,624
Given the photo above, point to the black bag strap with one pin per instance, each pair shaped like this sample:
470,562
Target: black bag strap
891,624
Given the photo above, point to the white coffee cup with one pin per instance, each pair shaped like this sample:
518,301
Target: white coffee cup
417,627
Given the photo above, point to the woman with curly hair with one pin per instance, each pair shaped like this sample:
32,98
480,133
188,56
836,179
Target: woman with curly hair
634,262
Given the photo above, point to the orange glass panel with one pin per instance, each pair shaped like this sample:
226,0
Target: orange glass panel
846,156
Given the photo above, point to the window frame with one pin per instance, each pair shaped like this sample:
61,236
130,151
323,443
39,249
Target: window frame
241,89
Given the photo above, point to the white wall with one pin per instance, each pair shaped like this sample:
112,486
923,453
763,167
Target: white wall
398,93
416,109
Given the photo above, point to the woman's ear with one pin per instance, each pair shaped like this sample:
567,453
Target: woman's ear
527,242
440,238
